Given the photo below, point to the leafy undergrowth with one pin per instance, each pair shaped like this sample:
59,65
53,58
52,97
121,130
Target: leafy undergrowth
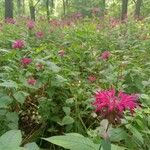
50,71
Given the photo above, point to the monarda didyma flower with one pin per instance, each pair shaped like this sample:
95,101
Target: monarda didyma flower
39,34
105,55
30,24
111,106
26,61
18,44
31,81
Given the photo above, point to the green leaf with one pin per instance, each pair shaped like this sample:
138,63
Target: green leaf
53,67
13,119
117,134
5,101
67,110
136,134
67,120
31,146
58,81
20,96
9,84
73,141
116,147
106,144
10,140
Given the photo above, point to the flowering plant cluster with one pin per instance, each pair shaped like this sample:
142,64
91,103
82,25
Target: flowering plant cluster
111,106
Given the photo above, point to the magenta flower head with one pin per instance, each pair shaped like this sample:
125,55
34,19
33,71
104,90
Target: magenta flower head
31,81
26,61
40,34
105,55
111,106
18,44
10,20
30,24
91,78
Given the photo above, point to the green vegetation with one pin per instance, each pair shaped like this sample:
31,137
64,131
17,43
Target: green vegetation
74,75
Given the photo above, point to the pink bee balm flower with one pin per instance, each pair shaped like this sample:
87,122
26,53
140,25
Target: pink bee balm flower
30,24
31,81
105,55
10,20
91,78
26,61
18,44
111,105
61,53
40,34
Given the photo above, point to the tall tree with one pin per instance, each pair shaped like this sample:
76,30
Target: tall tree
52,5
32,7
47,9
138,8
64,7
124,9
8,9
23,6
102,7
19,5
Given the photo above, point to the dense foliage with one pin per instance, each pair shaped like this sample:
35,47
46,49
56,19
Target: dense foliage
79,82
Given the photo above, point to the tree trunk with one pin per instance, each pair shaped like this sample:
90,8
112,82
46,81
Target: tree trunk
67,6
19,5
47,10
32,9
32,12
64,7
138,9
124,9
8,9
102,8
52,5
23,6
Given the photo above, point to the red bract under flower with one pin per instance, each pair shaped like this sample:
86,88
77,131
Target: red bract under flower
26,61
31,81
61,53
40,34
40,66
30,24
105,55
91,78
111,106
18,44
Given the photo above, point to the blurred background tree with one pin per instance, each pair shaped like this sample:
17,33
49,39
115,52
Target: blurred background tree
59,8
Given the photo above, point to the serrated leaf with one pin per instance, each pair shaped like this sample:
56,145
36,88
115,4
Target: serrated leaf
9,84
73,142
53,67
5,101
20,96
117,134
11,140
136,134
13,119
67,120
